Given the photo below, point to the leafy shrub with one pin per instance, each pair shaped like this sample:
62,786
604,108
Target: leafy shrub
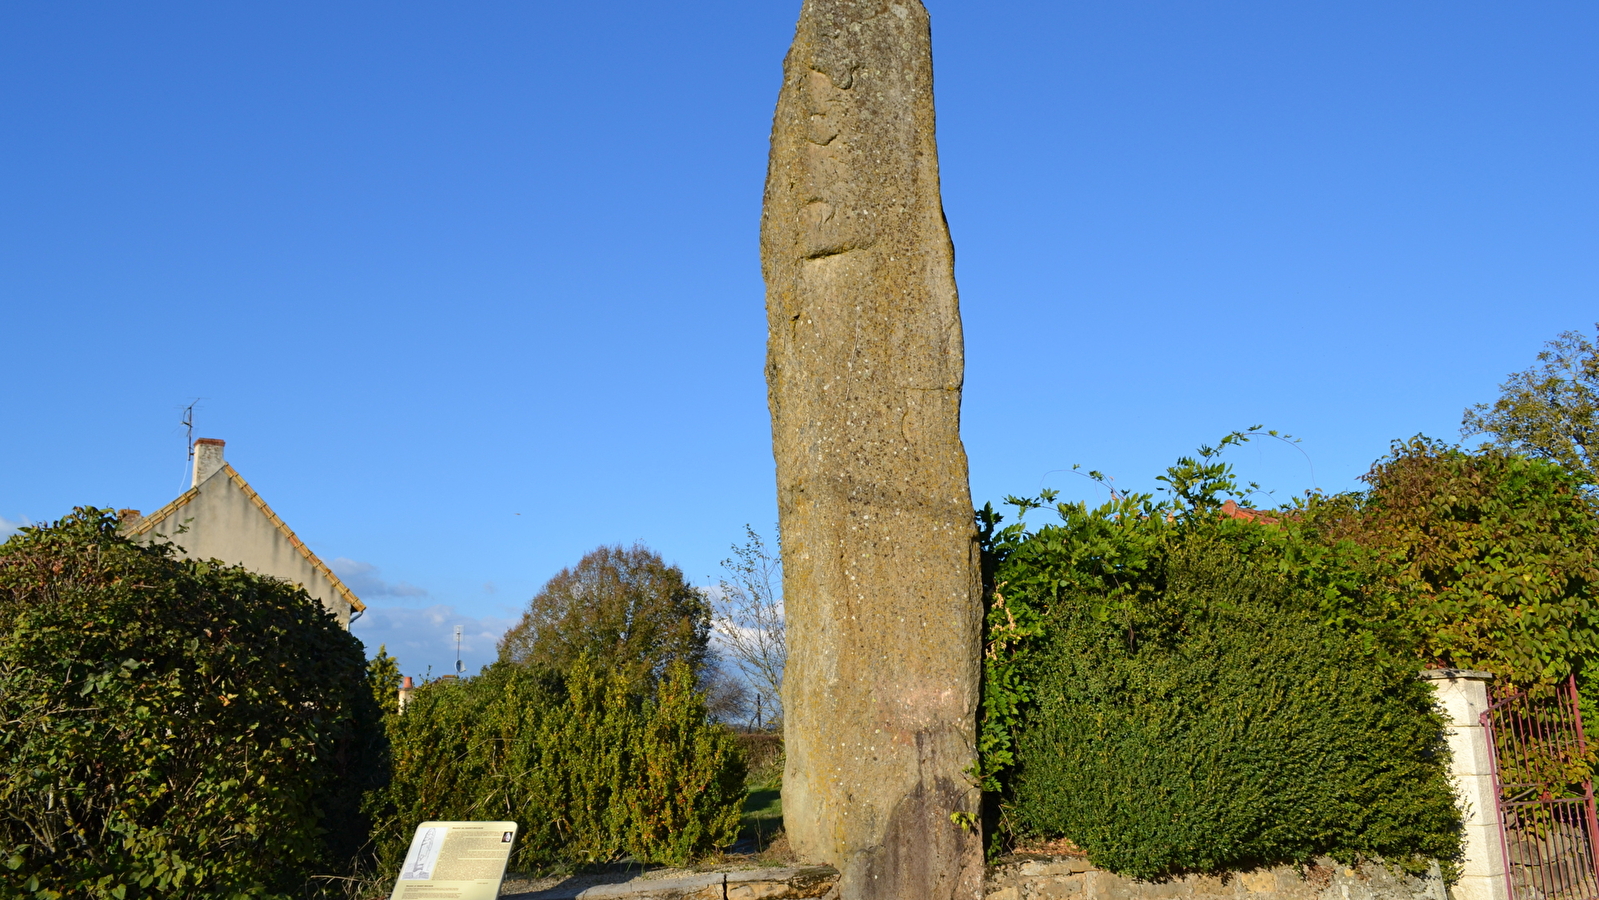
171,728
623,607
1550,410
592,765
1484,560
383,679
1175,687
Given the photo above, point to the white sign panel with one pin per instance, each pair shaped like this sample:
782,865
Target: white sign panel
455,861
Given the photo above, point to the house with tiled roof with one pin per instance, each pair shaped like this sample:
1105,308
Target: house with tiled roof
221,517
1232,510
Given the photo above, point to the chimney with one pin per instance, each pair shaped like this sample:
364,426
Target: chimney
207,459
405,693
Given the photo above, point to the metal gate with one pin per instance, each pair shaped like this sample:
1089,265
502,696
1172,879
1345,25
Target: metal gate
1544,786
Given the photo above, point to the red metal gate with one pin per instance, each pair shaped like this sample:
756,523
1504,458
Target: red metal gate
1544,785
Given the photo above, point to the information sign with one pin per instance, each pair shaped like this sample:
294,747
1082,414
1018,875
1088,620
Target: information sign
455,861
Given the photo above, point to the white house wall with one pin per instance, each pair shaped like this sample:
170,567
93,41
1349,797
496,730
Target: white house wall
223,522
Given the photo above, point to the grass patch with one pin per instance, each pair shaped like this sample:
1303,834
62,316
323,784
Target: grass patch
762,818
763,811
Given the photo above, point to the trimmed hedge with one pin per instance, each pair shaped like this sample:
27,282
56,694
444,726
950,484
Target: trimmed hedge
1183,686
171,728
593,766
1214,723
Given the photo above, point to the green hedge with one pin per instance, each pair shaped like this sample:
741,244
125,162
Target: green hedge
1178,689
591,766
1222,726
171,728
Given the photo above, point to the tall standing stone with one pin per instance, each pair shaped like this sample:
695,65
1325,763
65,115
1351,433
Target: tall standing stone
864,370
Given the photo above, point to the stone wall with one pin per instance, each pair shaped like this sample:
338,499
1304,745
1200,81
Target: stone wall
1066,878
1052,878
743,884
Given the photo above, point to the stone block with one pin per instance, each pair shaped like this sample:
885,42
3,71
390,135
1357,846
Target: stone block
1100,885
1476,799
1047,868
1260,881
1476,887
1483,855
757,890
693,887
780,884
1059,886
1463,699
1290,884
1468,745
1009,892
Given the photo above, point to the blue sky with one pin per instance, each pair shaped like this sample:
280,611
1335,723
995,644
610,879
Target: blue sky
471,290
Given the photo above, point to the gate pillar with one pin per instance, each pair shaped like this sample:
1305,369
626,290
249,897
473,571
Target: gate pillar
1463,697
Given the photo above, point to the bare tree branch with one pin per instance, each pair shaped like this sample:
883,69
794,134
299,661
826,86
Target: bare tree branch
748,620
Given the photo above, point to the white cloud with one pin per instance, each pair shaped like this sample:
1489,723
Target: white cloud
424,639
365,580
8,527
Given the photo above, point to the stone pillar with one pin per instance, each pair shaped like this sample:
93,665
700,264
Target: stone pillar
1463,696
864,371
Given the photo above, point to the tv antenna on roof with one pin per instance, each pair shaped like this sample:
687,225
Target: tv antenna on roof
188,424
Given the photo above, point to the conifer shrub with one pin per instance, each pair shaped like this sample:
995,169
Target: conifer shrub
593,765
171,728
